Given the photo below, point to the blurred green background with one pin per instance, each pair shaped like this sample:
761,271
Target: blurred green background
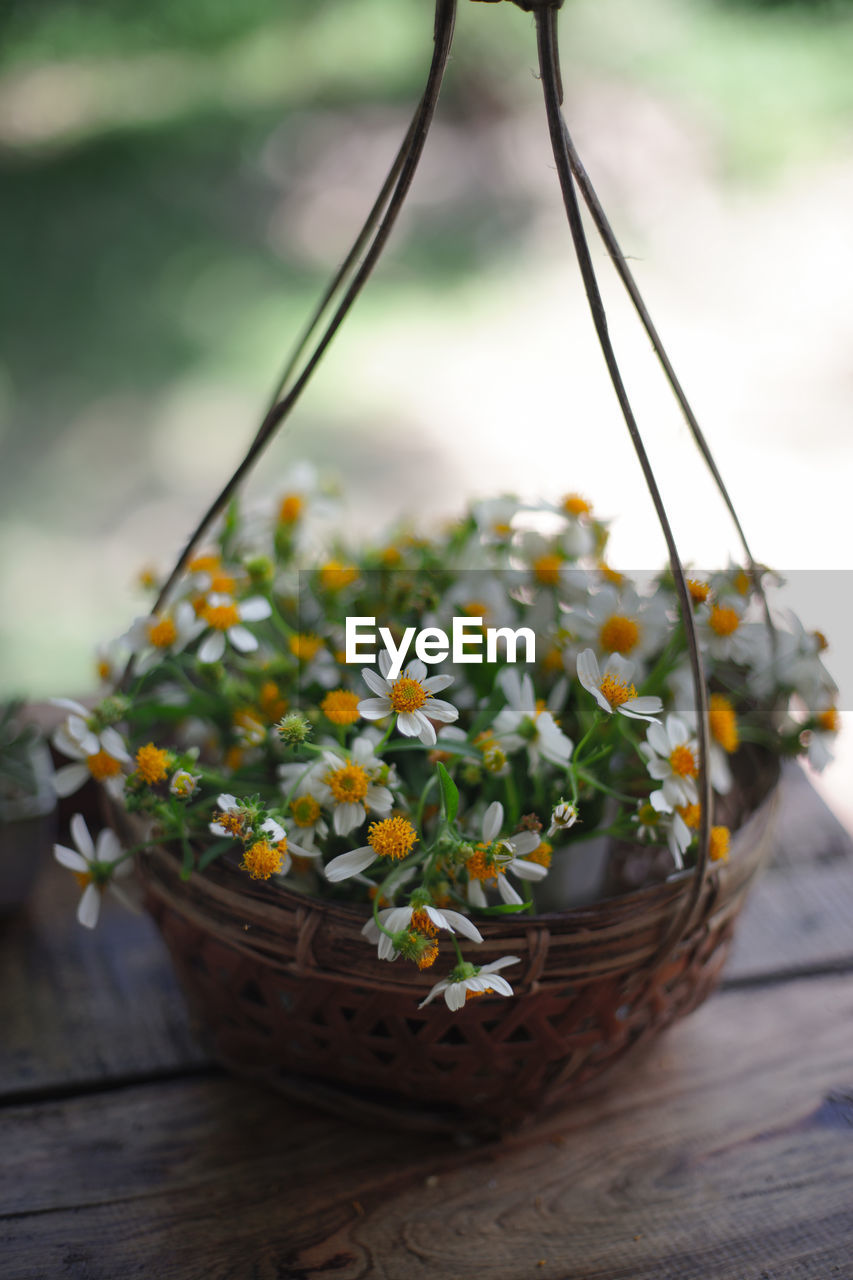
179,180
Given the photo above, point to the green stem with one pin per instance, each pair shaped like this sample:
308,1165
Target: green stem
419,813
594,782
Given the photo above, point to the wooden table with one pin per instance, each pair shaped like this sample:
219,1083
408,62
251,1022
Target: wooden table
726,1153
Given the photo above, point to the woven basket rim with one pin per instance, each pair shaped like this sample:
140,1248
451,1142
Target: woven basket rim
226,874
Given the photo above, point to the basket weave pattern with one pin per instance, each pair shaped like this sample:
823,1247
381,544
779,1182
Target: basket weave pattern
287,990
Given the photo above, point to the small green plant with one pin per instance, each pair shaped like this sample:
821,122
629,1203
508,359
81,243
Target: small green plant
18,776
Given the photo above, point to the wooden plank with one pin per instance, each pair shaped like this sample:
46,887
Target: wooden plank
85,1005
796,920
728,1152
807,829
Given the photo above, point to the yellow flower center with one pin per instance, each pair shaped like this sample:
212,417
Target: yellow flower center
428,955
619,634
335,576
305,646
340,706
553,661
305,810
648,815
407,695
423,924
494,759
208,563
271,702
221,616
392,838
724,621
501,529
719,846
611,575
222,584
476,609
575,505
698,590
829,720
742,583
475,995
617,692
547,569
102,765
263,859
822,642
723,723
683,762
541,854
291,508
251,729
162,633
483,864
104,669
152,764
230,820
691,814
147,578
349,784
390,557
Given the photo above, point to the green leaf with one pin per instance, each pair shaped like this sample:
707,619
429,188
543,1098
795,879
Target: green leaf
449,793
506,909
213,851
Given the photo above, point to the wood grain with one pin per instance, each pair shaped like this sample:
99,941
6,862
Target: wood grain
79,1007
728,1153
797,920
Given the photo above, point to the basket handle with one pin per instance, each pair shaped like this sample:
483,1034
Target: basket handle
546,31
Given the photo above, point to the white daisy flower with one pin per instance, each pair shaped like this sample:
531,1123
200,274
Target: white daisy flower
467,981
232,817
110,660
306,813
159,633
97,754
410,697
525,722
392,838
352,783
791,658
224,617
183,783
302,494
621,622
563,816
427,918
96,865
612,690
725,635
822,738
654,826
480,593
316,663
493,858
672,757
494,517
724,740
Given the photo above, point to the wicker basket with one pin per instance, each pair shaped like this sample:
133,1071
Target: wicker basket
284,989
